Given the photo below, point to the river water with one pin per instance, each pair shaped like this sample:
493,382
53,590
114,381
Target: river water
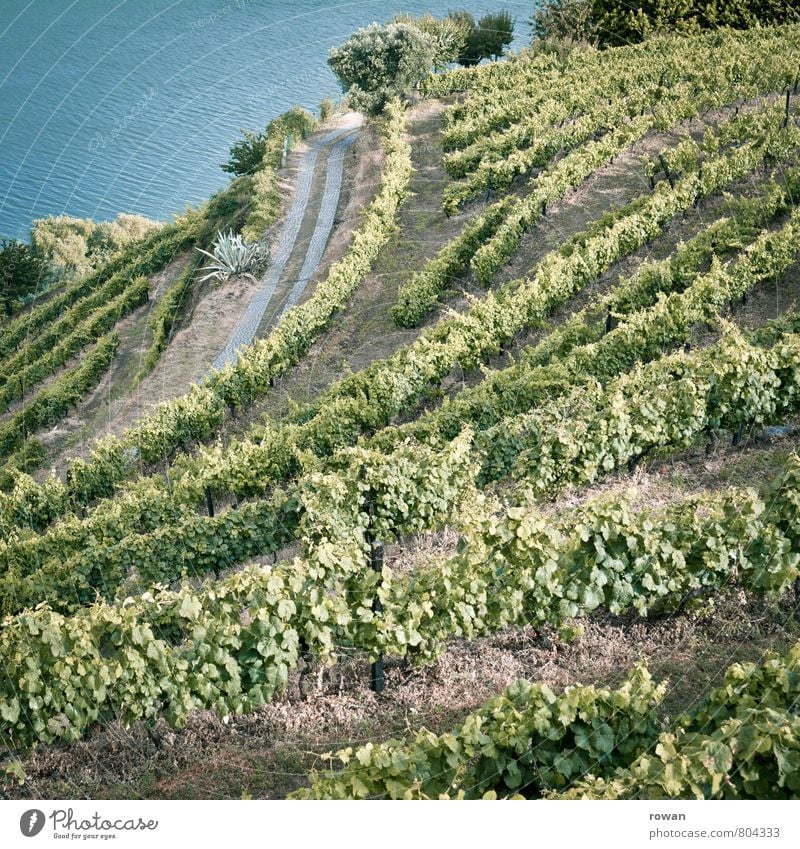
111,106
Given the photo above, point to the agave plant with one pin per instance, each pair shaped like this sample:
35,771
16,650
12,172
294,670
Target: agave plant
233,257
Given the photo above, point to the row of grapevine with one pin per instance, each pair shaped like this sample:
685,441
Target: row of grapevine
229,645
107,544
142,257
163,315
683,101
595,428
551,185
739,742
416,298
499,100
59,397
642,337
369,399
682,159
422,292
651,323
19,382
412,489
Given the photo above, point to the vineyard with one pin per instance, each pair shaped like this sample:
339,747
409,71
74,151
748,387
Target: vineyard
544,543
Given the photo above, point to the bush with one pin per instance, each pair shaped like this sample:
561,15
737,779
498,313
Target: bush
379,63
21,273
326,108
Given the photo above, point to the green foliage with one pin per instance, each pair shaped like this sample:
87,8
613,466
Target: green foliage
526,740
179,423
488,38
22,273
256,150
610,90
80,244
58,397
142,257
741,741
247,154
231,256
368,400
380,63
516,566
418,296
22,373
163,316
564,21
448,35
327,107
618,23
30,456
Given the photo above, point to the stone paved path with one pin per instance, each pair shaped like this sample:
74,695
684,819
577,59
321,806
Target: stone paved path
246,328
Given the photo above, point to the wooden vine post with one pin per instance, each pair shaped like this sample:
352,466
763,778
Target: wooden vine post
377,681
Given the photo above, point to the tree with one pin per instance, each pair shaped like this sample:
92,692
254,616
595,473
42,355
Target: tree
21,272
565,21
247,154
76,245
379,63
448,35
256,150
486,39
619,22
498,33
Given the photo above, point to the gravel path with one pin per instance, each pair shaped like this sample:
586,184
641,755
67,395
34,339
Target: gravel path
248,324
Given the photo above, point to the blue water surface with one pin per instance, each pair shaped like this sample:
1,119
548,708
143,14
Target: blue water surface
111,106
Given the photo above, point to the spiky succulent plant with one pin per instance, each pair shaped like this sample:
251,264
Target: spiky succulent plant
232,256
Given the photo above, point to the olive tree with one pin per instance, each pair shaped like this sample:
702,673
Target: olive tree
378,63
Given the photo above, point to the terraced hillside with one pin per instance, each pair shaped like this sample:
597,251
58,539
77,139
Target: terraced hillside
538,421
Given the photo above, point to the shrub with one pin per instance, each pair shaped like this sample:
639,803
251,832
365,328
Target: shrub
566,21
448,35
616,22
233,257
326,108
